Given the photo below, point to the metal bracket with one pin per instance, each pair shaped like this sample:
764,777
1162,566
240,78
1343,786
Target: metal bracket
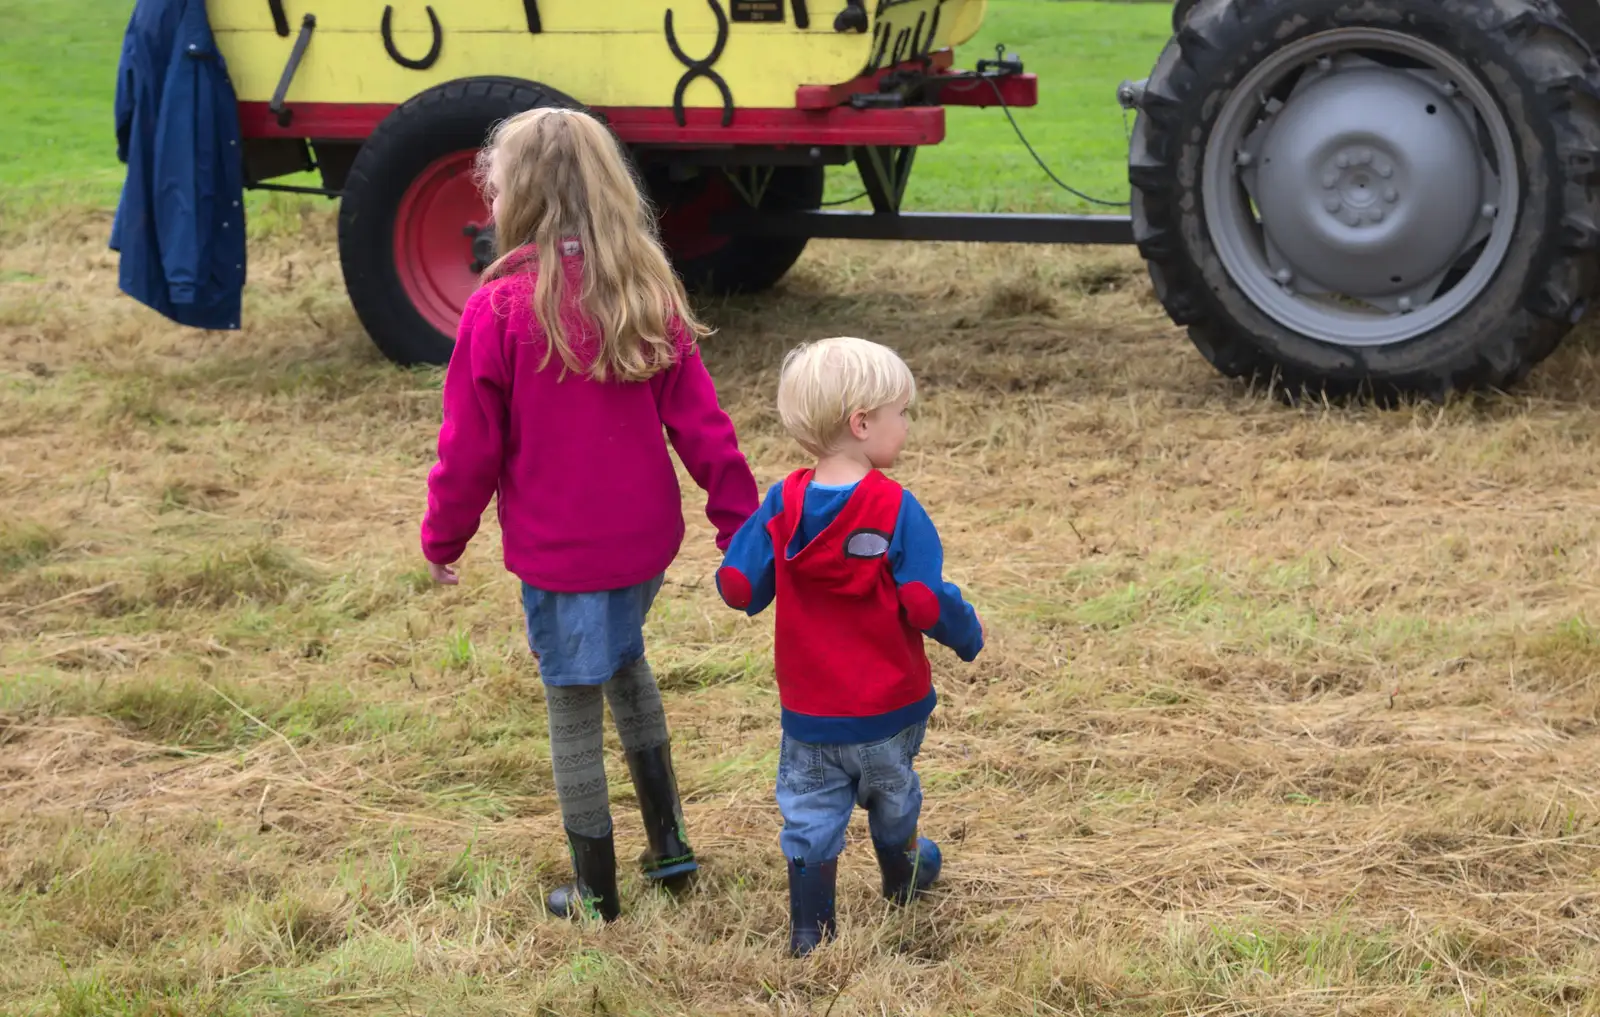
1130,94
320,192
885,173
1003,63
754,189
853,18
280,18
979,227
483,249
308,24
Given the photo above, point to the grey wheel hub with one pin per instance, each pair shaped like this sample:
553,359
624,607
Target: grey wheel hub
1343,205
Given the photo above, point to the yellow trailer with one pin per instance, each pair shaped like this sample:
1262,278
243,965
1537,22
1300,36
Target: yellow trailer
725,105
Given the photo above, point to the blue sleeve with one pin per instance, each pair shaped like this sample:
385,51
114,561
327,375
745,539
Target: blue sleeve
747,580
176,172
917,558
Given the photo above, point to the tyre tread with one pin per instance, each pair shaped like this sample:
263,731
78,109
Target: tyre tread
1562,72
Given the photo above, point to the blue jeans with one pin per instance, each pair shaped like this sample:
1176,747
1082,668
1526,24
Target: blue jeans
820,785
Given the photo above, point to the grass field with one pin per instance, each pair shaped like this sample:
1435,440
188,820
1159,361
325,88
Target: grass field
58,66
1286,711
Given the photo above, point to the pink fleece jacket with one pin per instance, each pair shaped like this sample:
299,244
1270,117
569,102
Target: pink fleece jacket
588,496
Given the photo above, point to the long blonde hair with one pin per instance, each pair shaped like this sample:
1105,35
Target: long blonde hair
561,175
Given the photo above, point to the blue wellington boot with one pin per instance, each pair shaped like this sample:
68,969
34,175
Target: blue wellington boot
669,861
908,872
593,890
811,889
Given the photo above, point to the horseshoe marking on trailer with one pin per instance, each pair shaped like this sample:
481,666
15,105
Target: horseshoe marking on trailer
400,58
701,68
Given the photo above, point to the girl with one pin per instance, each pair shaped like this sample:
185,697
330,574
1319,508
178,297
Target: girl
572,358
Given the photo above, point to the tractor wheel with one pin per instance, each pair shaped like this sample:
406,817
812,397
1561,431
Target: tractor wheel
410,215
720,265
1180,13
1393,197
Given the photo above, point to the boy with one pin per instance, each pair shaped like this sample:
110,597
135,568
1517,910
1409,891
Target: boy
858,584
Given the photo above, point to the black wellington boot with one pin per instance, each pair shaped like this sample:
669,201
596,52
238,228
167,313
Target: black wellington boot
669,860
908,871
811,888
594,891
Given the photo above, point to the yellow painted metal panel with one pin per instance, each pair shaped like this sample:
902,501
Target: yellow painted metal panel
968,19
601,52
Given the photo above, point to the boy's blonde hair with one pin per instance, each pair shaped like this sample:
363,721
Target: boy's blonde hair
824,382
561,174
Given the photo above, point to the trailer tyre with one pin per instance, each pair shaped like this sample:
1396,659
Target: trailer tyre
1391,198
409,213
718,265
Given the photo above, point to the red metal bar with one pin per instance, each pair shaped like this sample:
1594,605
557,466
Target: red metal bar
829,96
1016,89
923,125
334,121
838,126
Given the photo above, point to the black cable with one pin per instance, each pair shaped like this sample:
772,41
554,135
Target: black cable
1000,96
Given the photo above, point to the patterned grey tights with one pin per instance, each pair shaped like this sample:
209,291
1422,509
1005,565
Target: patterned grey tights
577,757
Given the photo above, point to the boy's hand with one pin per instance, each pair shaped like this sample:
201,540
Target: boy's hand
444,575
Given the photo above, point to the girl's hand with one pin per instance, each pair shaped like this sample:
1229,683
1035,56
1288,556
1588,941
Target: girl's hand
443,574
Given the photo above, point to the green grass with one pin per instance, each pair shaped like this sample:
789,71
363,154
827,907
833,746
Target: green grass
1081,52
58,64
58,69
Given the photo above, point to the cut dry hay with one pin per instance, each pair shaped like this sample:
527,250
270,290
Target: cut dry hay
1287,711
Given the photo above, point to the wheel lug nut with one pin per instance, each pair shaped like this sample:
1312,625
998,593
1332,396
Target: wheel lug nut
1405,303
1284,276
1385,169
1244,159
1364,157
1489,211
1375,215
1352,218
1332,203
1391,195
1343,161
1330,179
1324,64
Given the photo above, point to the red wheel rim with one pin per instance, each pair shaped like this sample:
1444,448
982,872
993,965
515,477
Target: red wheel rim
686,224
432,250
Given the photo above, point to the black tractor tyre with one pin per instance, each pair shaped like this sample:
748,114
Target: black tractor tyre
453,117
741,265
1540,72
1180,14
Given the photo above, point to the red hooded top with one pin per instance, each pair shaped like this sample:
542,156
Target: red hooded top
844,638
856,574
